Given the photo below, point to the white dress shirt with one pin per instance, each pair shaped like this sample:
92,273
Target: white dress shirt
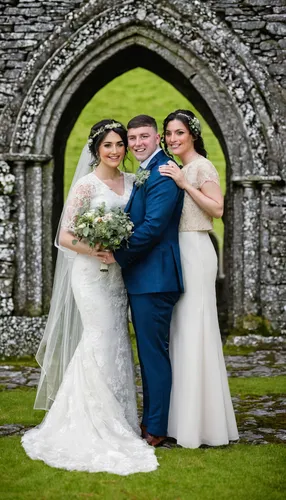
146,162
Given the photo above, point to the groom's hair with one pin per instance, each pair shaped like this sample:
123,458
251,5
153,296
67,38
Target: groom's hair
142,121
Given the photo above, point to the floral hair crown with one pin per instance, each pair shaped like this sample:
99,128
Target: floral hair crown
194,124
99,131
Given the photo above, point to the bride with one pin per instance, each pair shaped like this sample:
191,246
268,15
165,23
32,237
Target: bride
87,379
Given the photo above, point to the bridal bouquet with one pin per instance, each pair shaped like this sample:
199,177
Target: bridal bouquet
109,228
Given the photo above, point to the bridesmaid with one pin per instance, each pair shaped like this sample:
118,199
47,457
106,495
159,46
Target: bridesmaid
201,410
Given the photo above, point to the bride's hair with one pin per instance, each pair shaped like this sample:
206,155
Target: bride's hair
98,133
192,123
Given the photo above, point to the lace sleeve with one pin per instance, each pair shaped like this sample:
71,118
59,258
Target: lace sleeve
78,202
207,172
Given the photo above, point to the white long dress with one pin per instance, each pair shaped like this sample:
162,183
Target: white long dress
201,410
92,424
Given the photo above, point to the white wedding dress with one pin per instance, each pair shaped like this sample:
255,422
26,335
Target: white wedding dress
201,410
92,424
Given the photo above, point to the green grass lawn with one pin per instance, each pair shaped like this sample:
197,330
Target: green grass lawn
237,472
123,98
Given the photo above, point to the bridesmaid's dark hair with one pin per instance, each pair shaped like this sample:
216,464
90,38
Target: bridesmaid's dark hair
192,123
98,133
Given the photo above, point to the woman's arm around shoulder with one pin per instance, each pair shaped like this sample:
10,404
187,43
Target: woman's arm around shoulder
206,192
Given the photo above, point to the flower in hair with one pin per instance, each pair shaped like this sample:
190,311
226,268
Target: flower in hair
195,126
99,131
108,126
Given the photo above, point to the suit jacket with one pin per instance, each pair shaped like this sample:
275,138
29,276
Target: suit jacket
151,263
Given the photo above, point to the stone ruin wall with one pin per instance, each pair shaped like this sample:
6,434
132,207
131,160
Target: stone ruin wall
24,27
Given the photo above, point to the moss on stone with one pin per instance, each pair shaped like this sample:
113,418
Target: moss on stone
250,323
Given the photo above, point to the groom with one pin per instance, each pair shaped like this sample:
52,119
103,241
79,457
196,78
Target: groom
151,270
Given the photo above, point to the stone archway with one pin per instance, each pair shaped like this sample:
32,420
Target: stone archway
183,45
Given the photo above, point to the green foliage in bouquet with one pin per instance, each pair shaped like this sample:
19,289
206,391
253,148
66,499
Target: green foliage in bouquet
108,228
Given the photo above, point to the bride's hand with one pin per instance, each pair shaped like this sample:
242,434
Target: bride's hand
92,251
105,256
172,170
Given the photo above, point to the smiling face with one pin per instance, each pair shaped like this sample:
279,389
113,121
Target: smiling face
178,138
111,150
143,142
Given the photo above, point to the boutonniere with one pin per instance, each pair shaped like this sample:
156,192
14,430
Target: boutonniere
141,176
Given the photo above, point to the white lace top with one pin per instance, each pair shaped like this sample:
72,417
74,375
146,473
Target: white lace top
193,218
90,192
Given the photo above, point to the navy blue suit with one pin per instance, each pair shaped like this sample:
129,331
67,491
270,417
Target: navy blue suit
151,270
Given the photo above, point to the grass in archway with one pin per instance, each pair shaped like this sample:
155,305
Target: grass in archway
135,92
239,472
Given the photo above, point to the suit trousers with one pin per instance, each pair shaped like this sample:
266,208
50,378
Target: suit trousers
151,316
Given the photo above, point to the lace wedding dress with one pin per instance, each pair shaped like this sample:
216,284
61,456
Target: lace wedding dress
201,410
92,424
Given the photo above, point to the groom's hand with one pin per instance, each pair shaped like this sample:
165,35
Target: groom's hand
105,256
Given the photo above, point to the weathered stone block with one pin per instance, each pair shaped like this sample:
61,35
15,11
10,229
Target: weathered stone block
263,3
273,276
20,335
7,270
30,11
282,43
17,44
15,64
12,11
12,19
5,207
7,232
38,27
6,287
5,28
12,74
12,36
278,246
6,308
7,253
277,10
268,45
248,25
12,56
277,69
276,28
278,200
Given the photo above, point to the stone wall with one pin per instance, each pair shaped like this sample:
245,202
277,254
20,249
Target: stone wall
24,25
7,240
261,25
231,54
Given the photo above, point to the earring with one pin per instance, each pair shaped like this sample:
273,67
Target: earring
95,162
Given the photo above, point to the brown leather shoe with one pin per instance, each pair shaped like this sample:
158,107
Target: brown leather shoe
155,441
144,432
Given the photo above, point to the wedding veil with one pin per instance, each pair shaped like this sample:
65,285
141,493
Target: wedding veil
64,328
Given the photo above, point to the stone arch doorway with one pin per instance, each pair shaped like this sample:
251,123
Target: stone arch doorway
111,69
219,91
94,82
116,65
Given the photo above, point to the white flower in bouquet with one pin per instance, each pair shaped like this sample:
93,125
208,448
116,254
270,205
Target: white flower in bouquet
109,229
